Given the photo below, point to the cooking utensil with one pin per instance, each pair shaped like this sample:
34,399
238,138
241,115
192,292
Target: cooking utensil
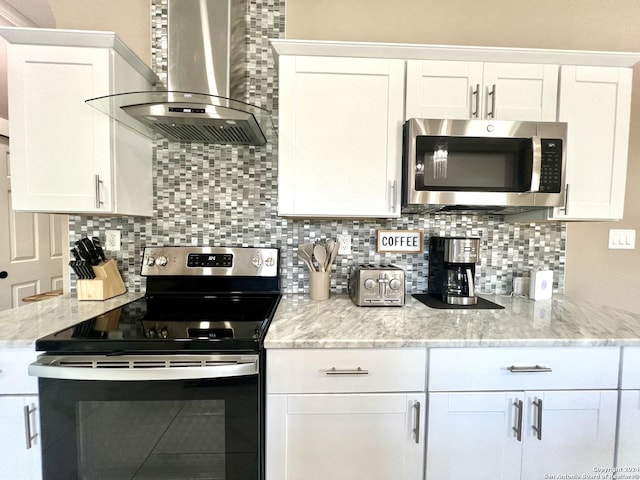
98,247
303,256
333,254
307,251
320,253
87,251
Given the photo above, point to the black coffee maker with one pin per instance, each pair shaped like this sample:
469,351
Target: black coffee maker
452,269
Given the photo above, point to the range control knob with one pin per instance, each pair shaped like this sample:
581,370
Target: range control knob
269,261
162,261
151,261
369,284
257,262
394,284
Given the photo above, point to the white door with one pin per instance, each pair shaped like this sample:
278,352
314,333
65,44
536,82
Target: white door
628,437
520,91
19,458
476,90
595,102
578,430
443,89
30,246
340,136
471,435
345,437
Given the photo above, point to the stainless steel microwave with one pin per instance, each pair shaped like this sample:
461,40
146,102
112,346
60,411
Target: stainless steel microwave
483,165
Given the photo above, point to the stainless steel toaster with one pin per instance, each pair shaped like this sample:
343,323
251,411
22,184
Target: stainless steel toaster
376,285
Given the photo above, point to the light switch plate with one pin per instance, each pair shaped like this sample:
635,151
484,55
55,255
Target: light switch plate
622,239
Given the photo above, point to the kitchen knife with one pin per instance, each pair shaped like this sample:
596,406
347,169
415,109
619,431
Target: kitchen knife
85,268
98,247
74,267
87,251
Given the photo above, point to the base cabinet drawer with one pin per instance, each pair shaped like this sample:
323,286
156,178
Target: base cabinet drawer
471,369
346,370
14,376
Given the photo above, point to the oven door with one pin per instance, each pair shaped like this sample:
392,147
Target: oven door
150,417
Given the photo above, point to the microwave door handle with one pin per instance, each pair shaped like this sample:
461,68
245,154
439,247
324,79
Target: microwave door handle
472,288
536,168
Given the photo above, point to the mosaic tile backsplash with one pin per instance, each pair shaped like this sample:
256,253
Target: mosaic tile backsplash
227,196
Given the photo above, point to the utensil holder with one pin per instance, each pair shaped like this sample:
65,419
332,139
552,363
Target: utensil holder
319,283
107,284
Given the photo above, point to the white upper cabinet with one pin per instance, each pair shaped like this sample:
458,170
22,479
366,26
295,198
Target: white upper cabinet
468,90
342,105
340,136
66,156
596,104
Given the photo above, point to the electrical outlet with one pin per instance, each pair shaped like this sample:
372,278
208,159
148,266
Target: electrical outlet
521,286
345,244
112,240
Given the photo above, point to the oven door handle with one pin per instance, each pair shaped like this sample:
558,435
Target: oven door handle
115,369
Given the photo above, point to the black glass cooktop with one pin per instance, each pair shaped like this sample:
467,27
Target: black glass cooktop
172,323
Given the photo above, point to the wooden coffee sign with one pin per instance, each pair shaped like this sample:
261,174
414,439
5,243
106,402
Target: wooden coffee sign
399,241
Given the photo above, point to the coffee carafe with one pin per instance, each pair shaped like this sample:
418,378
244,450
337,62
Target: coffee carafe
452,269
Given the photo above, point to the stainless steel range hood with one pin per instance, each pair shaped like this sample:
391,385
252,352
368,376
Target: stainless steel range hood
206,81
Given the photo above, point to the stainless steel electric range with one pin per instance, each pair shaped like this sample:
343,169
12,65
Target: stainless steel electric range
169,386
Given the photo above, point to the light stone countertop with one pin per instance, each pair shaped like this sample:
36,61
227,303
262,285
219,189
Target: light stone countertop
22,326
338,323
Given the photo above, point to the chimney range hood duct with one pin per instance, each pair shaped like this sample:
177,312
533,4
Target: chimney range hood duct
206,81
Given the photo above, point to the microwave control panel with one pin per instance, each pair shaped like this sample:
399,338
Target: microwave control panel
551,166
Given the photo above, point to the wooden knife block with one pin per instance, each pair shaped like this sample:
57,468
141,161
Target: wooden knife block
107,284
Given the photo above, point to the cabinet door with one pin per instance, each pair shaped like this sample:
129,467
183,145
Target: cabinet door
595,102
577,432
443,89
56,139
520,91
345,437
340,136
471,435
467,90
19,461
628,437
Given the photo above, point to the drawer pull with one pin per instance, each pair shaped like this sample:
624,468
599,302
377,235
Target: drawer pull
518,427
538,426
534,369
347,371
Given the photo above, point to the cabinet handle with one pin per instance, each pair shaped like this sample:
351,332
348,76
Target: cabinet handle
416,430
476,93
518,427
99,203
538,426
27,426
533,369
346,371
492,94
393,185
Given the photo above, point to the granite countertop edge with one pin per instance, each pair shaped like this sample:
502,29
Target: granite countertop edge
20,327
561,321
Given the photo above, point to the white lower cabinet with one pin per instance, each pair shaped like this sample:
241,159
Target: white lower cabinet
366,429
524,433
20,452
19,417
629,424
